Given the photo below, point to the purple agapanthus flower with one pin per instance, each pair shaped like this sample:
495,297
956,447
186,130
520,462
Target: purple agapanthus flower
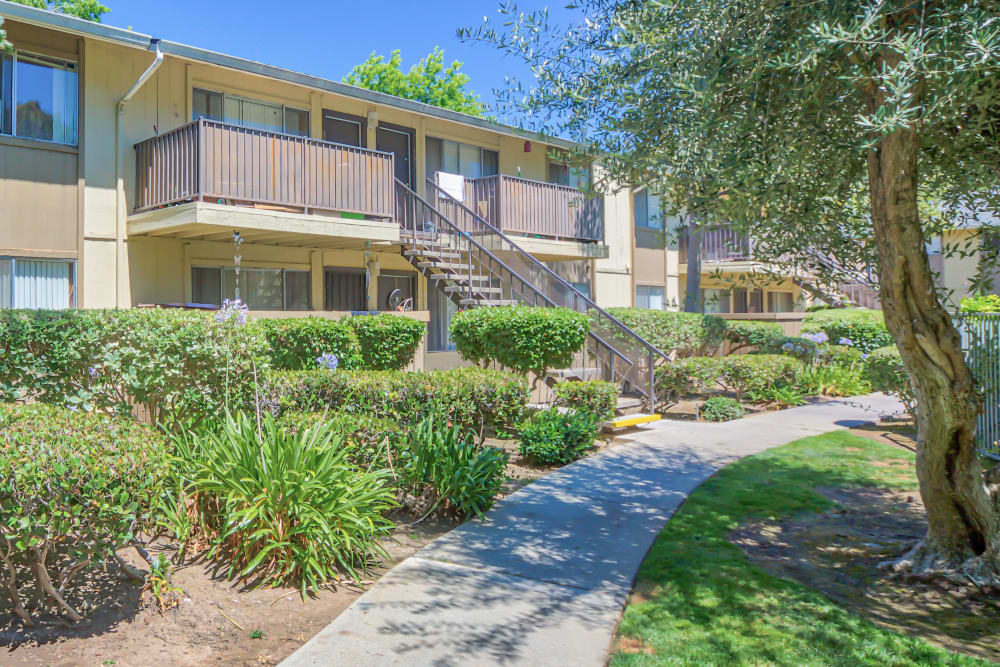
329,361
819,337
233,309
864,355
93,372
845,341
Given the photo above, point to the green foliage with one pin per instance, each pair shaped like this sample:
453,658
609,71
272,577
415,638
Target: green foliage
832,380
447,471
595,397
428,81
74,488
686,334
388,342
839,355
296,342
779,396
863,327
524,339
551,436
984,303
721,409
283,507
90,10
763,336
371,441
685,377
746,373
176,365
886,373
474,398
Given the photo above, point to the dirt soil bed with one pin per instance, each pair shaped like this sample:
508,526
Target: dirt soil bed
838,553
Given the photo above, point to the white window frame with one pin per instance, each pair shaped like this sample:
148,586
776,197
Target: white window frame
13,274
55,63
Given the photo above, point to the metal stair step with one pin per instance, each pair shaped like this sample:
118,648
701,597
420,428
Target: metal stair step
458,277
440,265
479,290
573,372
436,254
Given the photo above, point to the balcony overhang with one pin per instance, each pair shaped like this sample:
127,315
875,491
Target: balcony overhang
204,221
553,250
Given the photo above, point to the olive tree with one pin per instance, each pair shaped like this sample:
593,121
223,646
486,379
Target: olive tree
827,126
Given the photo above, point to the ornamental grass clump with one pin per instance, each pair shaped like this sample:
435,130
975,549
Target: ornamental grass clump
282,507
74,489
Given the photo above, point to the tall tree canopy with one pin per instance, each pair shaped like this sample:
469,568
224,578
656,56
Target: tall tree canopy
821,127
428,81
91,10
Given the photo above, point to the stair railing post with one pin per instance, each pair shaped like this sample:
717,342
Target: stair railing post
469,255
652,382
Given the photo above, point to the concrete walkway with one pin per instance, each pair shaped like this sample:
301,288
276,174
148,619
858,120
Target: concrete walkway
542,580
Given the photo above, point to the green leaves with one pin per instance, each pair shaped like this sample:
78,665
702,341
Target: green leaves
721,409
553,436
863,327
388,342
594,397
686,334
522,338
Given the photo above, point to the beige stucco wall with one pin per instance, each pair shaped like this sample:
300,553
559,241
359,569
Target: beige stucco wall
613,276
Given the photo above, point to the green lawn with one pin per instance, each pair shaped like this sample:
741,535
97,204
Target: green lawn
707,605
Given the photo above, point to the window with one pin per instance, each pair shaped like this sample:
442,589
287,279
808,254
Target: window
345,289
442,309
38,98
646,211
249,113
396,290
260,289
649,296
748,301
715,301
562,173
780,302
582,288
36,283
455,158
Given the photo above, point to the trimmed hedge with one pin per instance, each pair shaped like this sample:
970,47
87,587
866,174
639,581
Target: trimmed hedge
474,398
687,334
296,342
595,397
865,328
984,303
177,365
550,436
388,342
74,488
741,374
524,339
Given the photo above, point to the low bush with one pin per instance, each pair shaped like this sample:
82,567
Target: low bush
832,380
175,365
839,355
296,342
522,338
779,396
721,409
374,442
74,488
885,371
802,348
282,507
686,334
444,470
743,373
474,398
594,397
553,436
388,342
686,377
864,328
762,336
984,303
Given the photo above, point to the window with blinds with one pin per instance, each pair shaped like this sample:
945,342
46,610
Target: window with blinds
36,283
251,113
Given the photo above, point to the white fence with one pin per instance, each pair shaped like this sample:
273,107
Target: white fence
981,345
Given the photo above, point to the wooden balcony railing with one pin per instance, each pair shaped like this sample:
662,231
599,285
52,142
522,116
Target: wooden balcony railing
212,161
718,244
522,206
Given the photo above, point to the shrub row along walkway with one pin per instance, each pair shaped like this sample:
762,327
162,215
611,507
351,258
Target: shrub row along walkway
543,579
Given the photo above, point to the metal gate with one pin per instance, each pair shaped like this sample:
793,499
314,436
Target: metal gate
981,345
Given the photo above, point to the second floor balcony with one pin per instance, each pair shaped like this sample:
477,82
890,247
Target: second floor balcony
719,244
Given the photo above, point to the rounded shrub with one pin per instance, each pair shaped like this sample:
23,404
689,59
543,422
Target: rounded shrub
721,409
863,327
839,355
74,488
686,334
682,378
388,342
594,397
984,303
763,336
554,436
524,339
297,342
747,373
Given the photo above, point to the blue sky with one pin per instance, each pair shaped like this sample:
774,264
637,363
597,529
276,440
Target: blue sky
329,38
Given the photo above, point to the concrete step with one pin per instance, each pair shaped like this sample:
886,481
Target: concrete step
487,302
574,373
628,405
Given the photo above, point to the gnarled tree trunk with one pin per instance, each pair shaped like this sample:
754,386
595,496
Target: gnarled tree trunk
963,536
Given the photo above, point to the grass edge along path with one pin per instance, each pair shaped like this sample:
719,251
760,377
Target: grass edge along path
702,602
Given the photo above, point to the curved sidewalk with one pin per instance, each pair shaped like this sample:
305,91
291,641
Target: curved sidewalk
542,580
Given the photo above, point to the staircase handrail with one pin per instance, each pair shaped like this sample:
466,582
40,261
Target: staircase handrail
544,269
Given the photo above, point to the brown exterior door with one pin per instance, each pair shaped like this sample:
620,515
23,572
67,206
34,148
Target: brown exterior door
342,128
399,141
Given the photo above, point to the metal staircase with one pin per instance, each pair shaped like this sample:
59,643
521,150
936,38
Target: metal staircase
476,265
